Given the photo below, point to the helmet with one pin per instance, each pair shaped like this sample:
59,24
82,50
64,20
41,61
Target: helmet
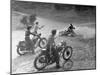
37,22
29,27
70,24
54,31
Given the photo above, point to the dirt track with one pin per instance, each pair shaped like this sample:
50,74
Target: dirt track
82,59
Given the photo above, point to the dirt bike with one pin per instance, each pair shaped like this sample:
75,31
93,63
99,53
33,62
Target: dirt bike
22,48
68,32
42,60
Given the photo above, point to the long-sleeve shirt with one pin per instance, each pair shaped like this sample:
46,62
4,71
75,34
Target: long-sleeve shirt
51,41
36,27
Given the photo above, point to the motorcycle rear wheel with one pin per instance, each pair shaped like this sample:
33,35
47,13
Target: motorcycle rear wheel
40,60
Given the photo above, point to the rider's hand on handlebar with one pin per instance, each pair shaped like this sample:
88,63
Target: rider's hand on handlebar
73,27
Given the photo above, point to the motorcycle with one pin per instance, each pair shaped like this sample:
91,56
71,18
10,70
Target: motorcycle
22,48
70,33
42,60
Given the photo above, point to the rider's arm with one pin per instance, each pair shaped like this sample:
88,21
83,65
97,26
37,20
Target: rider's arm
41,27
33,34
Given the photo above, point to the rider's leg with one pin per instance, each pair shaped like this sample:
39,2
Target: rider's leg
48,52
55,53
32,46
57,61
27,43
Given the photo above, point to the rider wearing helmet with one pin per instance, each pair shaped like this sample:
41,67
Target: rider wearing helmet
71,27
28,41
51,39
37,27
51,47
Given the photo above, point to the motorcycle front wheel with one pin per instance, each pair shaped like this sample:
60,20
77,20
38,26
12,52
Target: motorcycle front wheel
42,42
67,53
40,62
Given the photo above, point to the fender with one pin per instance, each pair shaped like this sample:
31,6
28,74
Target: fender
21,44
44,51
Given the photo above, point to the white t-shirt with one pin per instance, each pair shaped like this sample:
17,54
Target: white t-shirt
36,27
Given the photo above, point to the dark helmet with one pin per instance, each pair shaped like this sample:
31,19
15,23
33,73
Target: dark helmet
54,31
29,27
71,24
37,22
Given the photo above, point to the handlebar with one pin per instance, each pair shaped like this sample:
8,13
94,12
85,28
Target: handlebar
36,34
73,27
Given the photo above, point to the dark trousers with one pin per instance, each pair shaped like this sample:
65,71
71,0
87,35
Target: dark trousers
54,52
29,43
56,55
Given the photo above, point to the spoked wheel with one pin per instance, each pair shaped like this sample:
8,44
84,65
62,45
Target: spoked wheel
67,53
42,42
40,62
20,51
68,65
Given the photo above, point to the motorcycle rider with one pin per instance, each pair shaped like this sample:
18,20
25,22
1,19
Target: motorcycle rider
28,21
37,27
51,47
70,28
28,41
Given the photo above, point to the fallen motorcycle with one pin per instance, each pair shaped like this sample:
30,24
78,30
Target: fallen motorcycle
22,48
42,60
67,33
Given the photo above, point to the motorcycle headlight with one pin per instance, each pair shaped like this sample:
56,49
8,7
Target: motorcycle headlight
44,49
